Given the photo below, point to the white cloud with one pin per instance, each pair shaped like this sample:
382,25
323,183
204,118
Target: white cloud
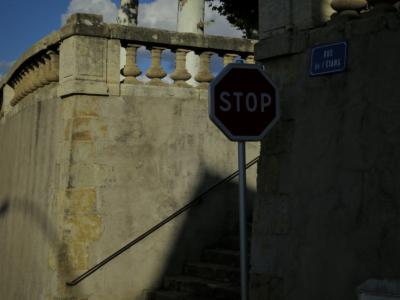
107,8
162,14
159,14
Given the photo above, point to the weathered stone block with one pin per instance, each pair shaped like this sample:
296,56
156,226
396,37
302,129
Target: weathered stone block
7,96
89,65
276,17
83,58
282,44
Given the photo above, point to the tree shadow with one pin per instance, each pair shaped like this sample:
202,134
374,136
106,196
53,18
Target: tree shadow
216,216
4,207
29,209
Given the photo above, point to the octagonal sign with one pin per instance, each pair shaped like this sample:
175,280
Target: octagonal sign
243,102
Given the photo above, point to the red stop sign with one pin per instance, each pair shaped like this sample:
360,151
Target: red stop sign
243,102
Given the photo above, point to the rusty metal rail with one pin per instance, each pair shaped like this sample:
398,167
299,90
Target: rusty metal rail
197,200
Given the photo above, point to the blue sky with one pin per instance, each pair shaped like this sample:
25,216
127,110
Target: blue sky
24,22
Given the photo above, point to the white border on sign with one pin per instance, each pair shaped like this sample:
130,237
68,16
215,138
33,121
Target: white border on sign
220,125
333,71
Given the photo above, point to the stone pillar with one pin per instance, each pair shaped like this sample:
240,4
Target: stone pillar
156,72
8,94
229,58
54,66
88,65
250,60
131,69
128,16
181,74
191,19
204,76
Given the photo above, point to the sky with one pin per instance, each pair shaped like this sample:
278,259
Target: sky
24,22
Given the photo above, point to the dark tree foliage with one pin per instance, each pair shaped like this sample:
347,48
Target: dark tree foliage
241,13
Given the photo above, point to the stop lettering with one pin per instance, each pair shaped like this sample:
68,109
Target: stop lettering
244,102
239,101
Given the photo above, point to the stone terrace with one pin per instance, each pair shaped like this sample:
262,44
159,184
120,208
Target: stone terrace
89,63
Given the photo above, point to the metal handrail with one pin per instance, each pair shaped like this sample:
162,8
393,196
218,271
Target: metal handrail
192,203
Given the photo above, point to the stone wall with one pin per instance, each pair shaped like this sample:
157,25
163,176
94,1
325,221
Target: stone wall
327,213
30,156
142,156
89,163
279,16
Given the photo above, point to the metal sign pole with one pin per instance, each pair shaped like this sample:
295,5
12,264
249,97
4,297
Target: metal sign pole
243,221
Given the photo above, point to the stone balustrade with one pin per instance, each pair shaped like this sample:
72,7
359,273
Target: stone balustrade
180,75
84,57
36,68
181,44
39,71
156,41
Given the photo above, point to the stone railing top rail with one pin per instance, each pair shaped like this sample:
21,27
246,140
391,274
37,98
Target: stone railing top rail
50,41
92,25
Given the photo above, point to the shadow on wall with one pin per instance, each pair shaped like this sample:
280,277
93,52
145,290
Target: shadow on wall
40,219
4,206
203,227
206,224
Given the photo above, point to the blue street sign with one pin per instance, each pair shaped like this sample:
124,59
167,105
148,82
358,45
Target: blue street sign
328,59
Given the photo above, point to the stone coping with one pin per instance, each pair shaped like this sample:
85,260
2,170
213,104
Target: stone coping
298,41
51,40
92,25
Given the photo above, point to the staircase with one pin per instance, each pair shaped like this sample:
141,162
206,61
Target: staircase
215,277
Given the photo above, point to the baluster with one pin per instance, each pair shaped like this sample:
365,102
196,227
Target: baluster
42,72
13,84
16,86
54,66
250,59
204,77
156,73
30,79
47,67
35,76
24,84
131,69
349,8
229,58
181,74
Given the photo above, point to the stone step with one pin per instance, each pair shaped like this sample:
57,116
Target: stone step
174,295
202,287
168,295
232,242
216,272
222,257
